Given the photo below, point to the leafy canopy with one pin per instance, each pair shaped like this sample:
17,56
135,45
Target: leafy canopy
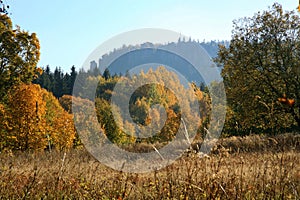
262,67
19,54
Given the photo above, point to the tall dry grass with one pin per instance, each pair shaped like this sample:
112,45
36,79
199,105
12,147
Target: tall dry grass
224,175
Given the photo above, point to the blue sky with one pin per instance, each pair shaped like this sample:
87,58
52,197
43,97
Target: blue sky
69,30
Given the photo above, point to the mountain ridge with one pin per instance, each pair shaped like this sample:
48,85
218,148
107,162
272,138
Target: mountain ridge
121,60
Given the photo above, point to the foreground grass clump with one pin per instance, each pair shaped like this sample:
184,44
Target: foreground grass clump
75,174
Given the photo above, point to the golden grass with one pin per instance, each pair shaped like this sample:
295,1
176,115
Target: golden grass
76,175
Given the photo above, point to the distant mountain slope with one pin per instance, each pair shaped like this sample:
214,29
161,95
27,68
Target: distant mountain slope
120,61
212,47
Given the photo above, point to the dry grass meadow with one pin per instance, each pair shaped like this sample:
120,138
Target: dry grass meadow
253,167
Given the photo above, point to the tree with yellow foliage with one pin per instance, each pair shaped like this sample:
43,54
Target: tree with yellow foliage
24,118
19,54
32,118
60,125
156,109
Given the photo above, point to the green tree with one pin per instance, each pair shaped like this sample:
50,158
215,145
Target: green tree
58,82
106,74
261,66
66,84
73,78
45,80
19,54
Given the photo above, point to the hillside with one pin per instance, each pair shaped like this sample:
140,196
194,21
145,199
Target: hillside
149,55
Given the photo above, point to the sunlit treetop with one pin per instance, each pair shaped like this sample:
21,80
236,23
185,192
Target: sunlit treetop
19,53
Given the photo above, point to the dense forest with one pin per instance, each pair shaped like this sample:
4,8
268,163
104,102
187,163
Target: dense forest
260,68
57,82
60,83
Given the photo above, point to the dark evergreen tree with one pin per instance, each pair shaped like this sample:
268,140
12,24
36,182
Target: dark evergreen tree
72,78
45,80
106,74
66,84
58,82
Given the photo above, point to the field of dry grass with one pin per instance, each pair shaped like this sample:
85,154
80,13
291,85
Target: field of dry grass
272,172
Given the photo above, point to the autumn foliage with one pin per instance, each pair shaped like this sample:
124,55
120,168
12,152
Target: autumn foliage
286,101
160,105
261,72
19,55
32,118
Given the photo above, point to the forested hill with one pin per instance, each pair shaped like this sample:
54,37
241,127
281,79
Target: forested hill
212,47
105,60
60,83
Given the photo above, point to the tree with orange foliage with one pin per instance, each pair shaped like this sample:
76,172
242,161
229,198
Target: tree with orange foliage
25,122
32,118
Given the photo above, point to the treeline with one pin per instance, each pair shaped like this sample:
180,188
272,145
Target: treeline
124,131
57,82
